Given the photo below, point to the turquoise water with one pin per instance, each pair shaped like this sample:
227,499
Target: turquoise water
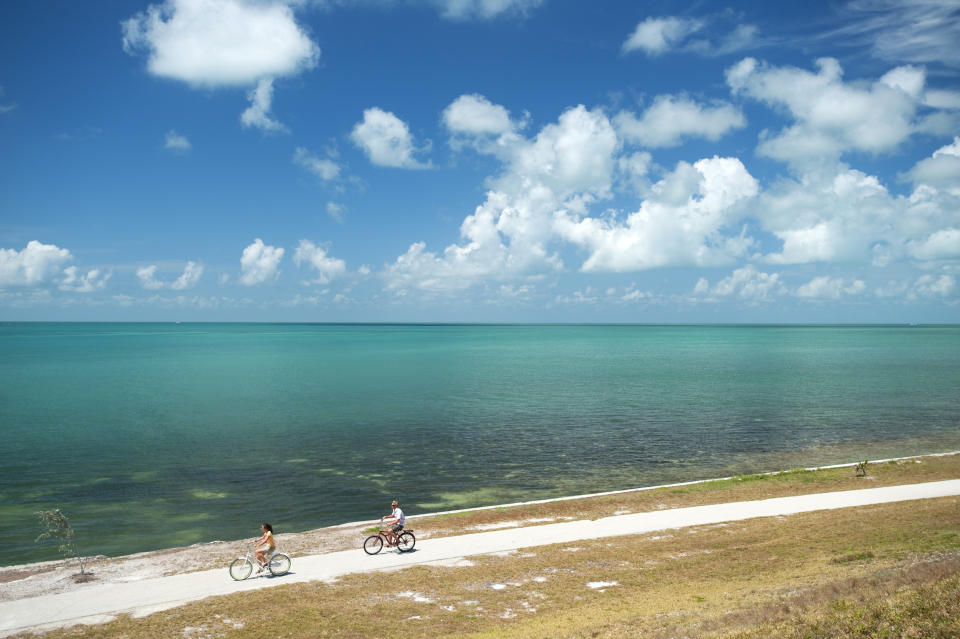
156,435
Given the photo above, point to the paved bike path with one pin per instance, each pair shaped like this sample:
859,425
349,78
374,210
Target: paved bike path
98,603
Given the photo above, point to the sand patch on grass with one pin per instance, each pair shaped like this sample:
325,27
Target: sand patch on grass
601,586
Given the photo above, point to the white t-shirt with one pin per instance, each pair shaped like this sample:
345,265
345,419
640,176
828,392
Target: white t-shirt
398,515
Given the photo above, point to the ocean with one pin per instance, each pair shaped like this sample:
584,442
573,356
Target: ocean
156,435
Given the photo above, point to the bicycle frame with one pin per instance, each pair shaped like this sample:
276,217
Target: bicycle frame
404,541
241,568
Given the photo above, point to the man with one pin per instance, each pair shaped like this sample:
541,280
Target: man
398,520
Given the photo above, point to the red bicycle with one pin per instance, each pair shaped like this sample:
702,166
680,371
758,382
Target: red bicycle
404,541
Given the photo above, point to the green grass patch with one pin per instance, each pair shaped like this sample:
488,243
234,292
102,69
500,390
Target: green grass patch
852,557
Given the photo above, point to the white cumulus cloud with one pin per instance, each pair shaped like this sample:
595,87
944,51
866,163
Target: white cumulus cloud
832,288
567,164
685,221
746,283
336,211
35,264
658,35
541,201
148,278
475,115
215,43
258,113
931,286
77,282
224,43
173,141
671,119
942,99
324,168
188,279
577,153
941,170
557,194
831,117
386,139
586,296
850,217
941,245
326,266
259,263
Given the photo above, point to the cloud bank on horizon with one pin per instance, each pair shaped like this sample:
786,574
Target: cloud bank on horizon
687,167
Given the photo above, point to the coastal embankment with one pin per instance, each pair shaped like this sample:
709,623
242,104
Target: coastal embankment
43,594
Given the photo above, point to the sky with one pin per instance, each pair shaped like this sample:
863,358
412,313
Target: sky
480,160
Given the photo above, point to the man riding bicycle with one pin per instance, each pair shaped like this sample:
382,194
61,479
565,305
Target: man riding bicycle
398,520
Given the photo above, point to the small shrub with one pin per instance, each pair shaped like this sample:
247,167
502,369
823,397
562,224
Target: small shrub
58,527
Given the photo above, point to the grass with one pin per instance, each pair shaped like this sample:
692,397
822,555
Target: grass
921,603
889,568
853,556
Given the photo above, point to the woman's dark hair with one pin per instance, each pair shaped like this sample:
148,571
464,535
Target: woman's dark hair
268,526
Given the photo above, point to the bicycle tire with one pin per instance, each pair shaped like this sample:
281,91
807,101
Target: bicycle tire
279,564
406,541
373,544
241,568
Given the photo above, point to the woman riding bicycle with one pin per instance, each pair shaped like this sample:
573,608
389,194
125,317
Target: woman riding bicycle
267,543
398,521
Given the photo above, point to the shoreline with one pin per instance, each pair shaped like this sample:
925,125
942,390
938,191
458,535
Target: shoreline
450,539
104,602
625,491
350,526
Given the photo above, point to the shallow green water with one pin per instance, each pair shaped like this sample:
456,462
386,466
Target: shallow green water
154,435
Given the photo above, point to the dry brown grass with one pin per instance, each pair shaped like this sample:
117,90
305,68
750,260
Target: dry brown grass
882,604
768,577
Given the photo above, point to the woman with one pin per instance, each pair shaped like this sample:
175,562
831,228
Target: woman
265,540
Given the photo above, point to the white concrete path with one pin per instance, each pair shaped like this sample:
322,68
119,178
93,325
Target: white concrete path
97,603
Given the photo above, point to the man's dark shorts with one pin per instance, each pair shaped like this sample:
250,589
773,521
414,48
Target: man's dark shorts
396,528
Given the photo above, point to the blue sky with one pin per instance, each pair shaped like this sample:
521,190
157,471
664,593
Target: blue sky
480,160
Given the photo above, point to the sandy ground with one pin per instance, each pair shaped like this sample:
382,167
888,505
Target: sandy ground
52,577
64,603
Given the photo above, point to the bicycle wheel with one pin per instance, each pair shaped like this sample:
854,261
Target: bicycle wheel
373,544
279,564
406,541
241,568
